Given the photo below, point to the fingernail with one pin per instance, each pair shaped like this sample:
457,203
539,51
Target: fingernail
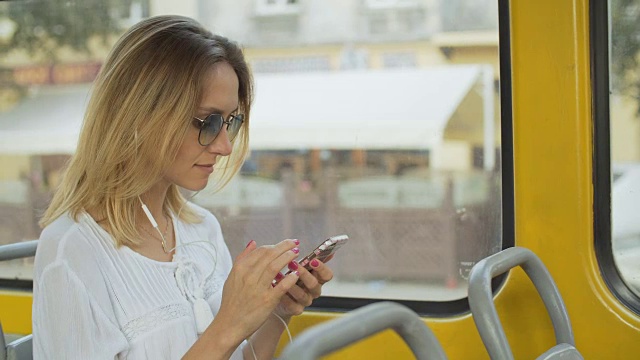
295,250
315,263
250,241
293,265
296,241
297,273
279,276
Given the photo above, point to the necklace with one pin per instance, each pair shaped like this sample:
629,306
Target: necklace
163,235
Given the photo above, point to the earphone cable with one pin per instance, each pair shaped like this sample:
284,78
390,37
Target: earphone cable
286,326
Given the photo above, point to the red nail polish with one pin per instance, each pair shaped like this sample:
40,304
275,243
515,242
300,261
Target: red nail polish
279,276
250,241
315,263
296,241
293,265
297,273
295,250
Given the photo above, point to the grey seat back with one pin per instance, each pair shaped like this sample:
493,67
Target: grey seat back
3,345
561,352
484,311
364,322
22,348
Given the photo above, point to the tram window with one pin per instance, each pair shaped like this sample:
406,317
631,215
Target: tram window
625,139
378,119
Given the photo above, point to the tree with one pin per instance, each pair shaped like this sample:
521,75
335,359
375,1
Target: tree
42,28
625,46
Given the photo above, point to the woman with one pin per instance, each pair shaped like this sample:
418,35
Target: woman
126,267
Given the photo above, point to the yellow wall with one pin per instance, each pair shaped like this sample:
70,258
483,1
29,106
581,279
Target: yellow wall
331,51
15,312
553,169
13,166
427,53
625,130
477,55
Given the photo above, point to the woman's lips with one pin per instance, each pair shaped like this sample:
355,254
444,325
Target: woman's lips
207,168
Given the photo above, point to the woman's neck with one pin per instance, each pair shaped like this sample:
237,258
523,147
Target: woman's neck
154,199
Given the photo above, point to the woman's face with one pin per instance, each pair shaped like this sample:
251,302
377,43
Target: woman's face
194,162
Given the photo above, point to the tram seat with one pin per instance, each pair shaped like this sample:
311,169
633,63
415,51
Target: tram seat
484,311
22,348
368,320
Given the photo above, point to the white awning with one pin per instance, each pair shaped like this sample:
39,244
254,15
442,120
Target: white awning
385,109
380,109
47,121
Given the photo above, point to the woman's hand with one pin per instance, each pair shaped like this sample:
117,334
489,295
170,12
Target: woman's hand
248,296
308,288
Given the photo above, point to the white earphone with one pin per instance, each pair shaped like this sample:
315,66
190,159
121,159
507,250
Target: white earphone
201,309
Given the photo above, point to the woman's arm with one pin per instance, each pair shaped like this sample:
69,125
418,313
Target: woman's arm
265,340
68,323
248,299
218,342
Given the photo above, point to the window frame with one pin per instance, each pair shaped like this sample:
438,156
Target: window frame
439,308
600,32
460,306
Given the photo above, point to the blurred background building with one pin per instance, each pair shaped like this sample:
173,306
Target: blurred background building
377,118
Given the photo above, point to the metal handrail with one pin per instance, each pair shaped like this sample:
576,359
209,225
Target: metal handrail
21,348
484,311
364,322
18,250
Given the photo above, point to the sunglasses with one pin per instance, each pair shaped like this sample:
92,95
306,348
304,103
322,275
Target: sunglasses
211,126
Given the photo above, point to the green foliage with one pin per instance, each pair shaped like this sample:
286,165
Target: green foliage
625,45
43,27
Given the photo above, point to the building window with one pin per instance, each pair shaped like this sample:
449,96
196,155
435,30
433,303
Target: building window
277,7
396,21
279,65
399,60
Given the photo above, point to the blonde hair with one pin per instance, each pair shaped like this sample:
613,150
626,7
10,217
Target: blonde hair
139,113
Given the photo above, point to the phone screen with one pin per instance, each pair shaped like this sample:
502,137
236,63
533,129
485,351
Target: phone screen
324,250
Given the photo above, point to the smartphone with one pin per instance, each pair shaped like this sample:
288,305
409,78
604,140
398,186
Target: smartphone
327,248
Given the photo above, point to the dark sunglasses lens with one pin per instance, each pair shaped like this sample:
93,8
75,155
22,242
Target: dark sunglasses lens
235,126
210,129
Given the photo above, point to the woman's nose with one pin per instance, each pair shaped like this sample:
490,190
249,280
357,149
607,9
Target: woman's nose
221,144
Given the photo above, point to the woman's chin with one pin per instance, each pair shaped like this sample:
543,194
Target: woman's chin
194,186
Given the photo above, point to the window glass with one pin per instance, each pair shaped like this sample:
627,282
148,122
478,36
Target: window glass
378,119
625,138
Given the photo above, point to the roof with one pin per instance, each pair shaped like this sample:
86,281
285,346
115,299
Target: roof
381,109
48,121
397,109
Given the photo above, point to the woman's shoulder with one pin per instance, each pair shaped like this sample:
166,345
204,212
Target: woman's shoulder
208,227
207,216
62,240
52,236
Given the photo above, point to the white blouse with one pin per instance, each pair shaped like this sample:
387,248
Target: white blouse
93,301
